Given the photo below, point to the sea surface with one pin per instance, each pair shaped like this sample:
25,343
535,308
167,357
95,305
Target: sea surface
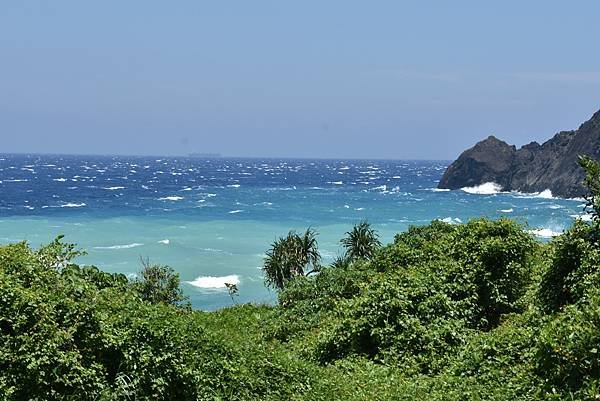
212,219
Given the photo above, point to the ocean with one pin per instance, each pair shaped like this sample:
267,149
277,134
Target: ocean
213,219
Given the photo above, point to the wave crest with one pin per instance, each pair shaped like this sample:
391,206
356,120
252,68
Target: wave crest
488,188
214,282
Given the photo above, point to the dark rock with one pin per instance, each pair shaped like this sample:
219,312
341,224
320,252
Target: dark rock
532,168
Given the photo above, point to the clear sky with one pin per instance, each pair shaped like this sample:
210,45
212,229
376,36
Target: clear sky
327,78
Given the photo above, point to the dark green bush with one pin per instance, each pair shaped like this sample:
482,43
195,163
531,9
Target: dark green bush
568,350
574,267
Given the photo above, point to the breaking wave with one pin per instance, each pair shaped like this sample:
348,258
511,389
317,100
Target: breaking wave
488,188
214,282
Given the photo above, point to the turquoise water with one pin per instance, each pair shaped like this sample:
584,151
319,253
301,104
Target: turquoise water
212,219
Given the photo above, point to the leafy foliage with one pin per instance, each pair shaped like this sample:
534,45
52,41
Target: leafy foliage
291,256
80,333
159,284
592,182
361,242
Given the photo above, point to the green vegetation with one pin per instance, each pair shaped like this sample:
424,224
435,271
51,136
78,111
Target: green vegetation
479,311
290,257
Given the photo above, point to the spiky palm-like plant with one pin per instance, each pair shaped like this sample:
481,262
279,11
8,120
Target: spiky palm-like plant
291,256
361,242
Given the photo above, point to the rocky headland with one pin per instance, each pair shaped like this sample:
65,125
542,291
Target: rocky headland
552,165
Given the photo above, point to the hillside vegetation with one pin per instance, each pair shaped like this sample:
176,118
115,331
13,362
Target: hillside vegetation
479,311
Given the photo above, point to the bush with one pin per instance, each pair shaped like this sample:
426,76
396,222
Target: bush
440,284
568,350
79,333
159,284
574,268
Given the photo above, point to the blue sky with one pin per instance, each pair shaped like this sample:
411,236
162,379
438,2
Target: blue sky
355,79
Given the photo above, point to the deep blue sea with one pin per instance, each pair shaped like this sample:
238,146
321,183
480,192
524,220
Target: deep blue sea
212,219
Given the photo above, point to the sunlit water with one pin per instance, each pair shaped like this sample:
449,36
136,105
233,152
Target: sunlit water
212,219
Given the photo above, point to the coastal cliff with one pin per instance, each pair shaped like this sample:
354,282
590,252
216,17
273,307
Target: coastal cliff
532,168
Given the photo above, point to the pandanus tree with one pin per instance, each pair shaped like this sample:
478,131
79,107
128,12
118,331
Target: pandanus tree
361,242
291,256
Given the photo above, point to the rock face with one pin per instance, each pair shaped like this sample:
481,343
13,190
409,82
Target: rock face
532,168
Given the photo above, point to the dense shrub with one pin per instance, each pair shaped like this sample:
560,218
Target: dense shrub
79,333
441,283
574,267
568,350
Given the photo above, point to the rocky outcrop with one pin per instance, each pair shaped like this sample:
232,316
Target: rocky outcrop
532,168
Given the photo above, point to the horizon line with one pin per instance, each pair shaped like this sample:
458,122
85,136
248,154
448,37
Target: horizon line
217,157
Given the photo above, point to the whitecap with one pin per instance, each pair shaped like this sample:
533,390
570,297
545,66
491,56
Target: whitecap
544,233
171,198
584,217
214,282
59,179
233,186
439,189
545,194
235,211
113,188
507,210
451,220
164,241
127,246
488,188
73,205
337,182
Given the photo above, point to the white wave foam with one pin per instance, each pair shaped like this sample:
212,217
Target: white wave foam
113,188
235,211
214,282
488,188
233,186
584,217
451,220
545,194
507,210
171,198
127,246
59,179
337,182
73,205
16,180
544,233
164,241
439,189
